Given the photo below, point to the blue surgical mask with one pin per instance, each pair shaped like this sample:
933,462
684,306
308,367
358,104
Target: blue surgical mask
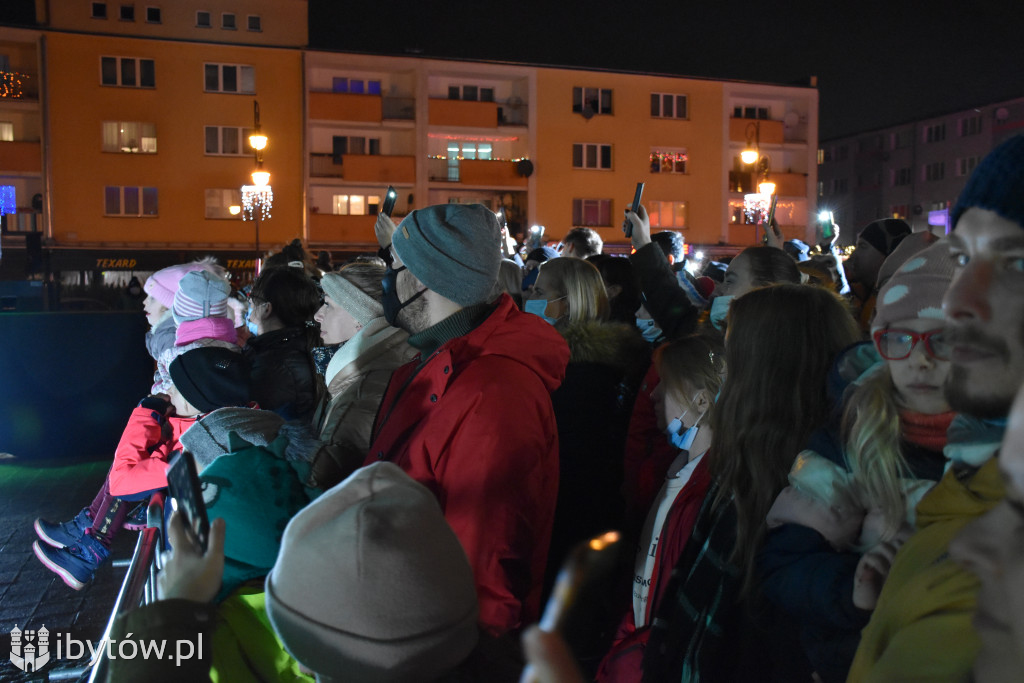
719,309
649,329
538,306
250,325
684,440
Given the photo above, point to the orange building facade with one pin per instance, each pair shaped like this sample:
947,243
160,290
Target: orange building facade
130,138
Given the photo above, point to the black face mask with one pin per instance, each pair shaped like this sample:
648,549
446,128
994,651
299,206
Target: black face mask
389,298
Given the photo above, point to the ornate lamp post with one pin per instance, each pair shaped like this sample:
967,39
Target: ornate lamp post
257,198
756,205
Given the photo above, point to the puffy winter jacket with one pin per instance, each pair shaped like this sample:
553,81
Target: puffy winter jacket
474,423
284,379
140,461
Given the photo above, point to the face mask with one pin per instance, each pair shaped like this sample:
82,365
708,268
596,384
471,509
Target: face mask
389,298
685,440
250,325
649,329
538,306
719,309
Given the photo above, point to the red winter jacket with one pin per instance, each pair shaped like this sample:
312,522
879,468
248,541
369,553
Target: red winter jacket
475,425
140,461
623,663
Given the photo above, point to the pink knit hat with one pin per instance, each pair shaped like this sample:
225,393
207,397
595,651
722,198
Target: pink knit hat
162,284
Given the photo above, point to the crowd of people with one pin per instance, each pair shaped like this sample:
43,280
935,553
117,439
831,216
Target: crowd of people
816,468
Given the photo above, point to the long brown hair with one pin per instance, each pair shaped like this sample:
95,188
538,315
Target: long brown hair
781,343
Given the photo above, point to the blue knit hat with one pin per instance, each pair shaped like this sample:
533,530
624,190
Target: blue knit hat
997,184
453,249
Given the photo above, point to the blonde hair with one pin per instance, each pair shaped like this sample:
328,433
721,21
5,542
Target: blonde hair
584,289
871,432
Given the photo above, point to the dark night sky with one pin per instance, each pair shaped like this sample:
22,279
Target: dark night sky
877,62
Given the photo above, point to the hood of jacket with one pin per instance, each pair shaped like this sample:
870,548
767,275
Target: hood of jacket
520,337
615,344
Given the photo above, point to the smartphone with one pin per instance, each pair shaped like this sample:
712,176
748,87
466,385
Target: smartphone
771,217
627,226
183,485
582,575
390,197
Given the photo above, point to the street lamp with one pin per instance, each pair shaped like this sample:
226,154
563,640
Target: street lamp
257,198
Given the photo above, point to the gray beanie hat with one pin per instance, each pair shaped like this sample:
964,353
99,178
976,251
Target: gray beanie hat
200,294
371,584
360,305
208,439
453,249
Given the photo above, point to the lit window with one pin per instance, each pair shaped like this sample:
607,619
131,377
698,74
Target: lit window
220,201
667,215
6,131
129,136
356,204
669,160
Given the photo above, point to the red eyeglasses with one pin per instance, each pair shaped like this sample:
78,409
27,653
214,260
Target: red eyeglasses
896,344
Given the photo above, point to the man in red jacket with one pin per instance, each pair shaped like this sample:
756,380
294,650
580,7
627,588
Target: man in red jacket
471,416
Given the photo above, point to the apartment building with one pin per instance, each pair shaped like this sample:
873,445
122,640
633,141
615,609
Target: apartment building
913,171
131,139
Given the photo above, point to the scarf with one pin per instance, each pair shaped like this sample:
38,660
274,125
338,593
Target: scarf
927,431
375,332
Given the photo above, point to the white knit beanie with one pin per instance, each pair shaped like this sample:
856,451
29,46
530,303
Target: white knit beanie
371,584
200,295
358,303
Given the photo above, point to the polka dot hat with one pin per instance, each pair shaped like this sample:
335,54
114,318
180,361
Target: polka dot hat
917,288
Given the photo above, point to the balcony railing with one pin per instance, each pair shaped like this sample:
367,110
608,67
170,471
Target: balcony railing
17,85
486,172
376,168
21,157
400,108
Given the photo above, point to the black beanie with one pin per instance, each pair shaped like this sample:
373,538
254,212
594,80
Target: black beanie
211,377
997,184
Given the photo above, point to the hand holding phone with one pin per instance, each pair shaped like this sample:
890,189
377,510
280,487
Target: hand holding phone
187,496
627,225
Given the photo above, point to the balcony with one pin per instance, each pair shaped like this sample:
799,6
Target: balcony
20,157
331,228
17,85
771,132
339,106
786,184
376,168
477,172
463,113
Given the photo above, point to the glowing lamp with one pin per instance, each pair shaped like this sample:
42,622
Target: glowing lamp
234,209
260,178
766,187
258,140
748,156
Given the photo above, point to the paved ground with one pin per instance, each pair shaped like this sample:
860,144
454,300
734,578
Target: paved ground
31,595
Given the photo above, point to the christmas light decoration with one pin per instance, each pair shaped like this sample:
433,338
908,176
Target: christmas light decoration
256,198
473,138
461,158
8,202
12,85
756,206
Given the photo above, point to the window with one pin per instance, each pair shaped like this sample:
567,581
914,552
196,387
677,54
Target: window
821,156
901,176
668,106
594,100
230,78
353,144
842,153
227,21
824,155
253,22
669,160
470,93
667,215
899,211
750,112
203,20
153,15
935,133
99,10
357,86
128,72
6,131
589,155
129,136
355,204
129,201
934,171
900,139
964,166
227,141
592,212
486,94
127,12
970,125
219,203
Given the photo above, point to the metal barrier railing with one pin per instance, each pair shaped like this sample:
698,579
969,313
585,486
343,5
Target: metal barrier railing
139,586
